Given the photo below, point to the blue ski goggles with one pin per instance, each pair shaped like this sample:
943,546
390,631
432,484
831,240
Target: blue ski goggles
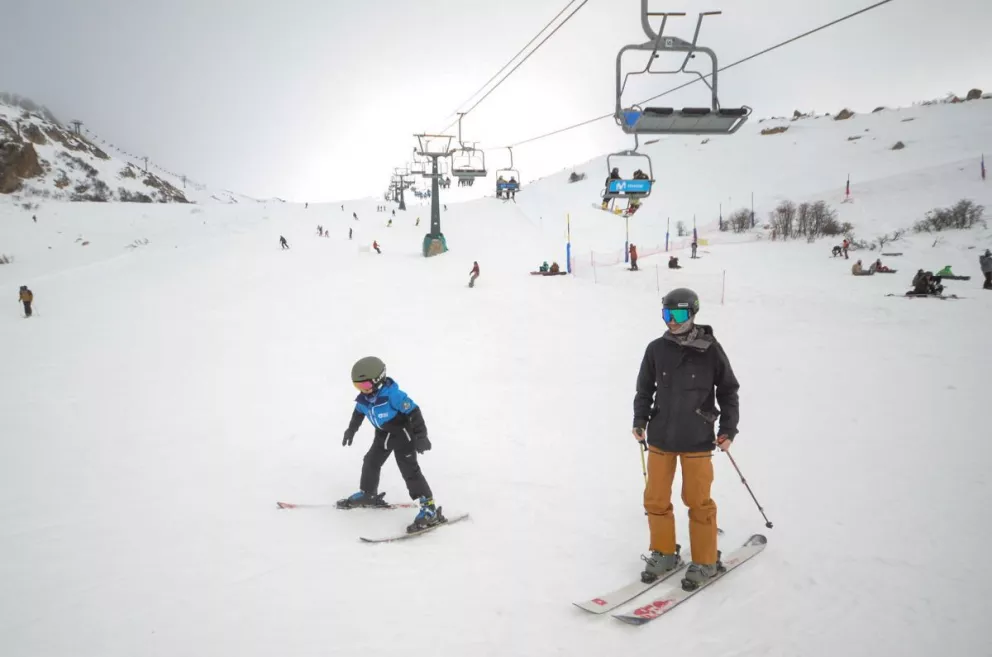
677,315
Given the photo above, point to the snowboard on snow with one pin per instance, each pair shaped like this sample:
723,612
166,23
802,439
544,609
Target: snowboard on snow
677,595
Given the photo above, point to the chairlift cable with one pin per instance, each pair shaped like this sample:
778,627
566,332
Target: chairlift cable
519,52
521,62
719,70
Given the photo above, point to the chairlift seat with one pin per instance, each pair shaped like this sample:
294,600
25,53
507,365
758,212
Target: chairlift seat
468,173
685,121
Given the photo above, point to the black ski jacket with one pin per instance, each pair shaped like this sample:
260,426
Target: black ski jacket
675,397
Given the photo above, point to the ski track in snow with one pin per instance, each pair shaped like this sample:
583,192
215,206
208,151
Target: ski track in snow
165,397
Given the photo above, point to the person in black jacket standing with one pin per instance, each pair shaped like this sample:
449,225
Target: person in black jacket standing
683,375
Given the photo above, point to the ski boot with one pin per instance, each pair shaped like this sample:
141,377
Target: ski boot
428,516
698,574
361,499
659,564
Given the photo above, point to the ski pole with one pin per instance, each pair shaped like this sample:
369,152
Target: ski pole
644,465
768,523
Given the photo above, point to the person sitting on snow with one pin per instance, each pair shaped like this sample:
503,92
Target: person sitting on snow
926,284
673,263
946,271
878,266
544,267
555,268
858,270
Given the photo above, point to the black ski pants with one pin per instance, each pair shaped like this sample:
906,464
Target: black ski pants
988,280
402,447
27,308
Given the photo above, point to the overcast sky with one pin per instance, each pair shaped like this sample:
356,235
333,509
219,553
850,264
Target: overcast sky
318,99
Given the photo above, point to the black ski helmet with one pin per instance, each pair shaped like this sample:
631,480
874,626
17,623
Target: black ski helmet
369,368
682,297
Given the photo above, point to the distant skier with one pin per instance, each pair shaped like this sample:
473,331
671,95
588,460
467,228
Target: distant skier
283,243
349,233
633,257
306,206
375,245
417,222
27,298
474,274
389,224
844,246
694,247
683,376
837,251
354,215
399,428
986,262
34,218
394,213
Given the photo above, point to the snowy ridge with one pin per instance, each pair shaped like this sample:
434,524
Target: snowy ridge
43,160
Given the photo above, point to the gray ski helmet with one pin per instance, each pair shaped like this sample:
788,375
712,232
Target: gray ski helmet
369,368
682,297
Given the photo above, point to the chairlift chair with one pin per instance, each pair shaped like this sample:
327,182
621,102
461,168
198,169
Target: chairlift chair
628,187
637,120
506,174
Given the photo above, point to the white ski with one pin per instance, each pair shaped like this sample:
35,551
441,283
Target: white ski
677,595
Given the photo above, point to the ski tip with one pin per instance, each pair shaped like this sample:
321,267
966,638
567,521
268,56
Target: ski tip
757,539
285,505
630,620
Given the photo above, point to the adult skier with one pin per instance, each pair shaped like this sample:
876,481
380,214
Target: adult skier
474,274
986,263
26,297
400,429
683,374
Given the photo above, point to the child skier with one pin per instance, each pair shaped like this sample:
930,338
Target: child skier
399,428
474,274
683,376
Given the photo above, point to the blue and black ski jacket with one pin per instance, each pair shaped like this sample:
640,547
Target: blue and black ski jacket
390,410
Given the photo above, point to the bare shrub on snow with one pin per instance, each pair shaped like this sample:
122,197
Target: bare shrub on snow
962,215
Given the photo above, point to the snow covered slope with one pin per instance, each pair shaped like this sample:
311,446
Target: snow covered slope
41,159
165,396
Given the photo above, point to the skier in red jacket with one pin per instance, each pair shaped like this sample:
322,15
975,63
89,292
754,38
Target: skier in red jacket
474,274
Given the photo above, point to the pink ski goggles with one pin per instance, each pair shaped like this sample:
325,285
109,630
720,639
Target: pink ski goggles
365,386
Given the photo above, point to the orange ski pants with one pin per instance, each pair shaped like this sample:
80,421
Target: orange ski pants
697,478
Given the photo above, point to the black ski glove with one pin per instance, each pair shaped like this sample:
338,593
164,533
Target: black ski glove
422,444
349,435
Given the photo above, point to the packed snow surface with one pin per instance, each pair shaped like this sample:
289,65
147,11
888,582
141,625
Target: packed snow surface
182,373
